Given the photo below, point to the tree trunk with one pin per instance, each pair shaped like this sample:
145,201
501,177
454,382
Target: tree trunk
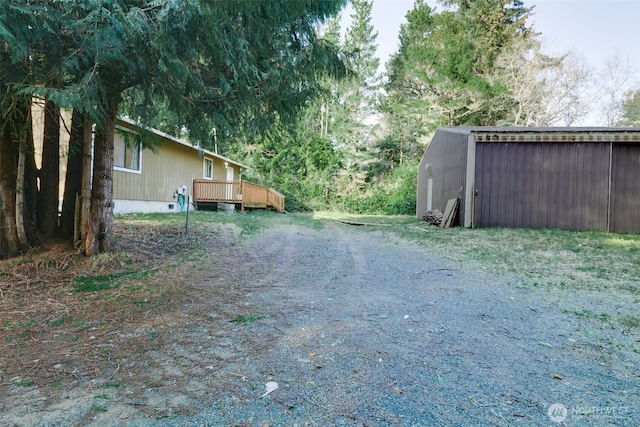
98,237
85,191
20,188
31,194
9,240
50,172
73,178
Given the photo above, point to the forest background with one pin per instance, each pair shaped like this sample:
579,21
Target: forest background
278,86
357,148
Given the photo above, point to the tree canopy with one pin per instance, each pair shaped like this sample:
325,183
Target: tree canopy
220,64
251,61
446,62
630,109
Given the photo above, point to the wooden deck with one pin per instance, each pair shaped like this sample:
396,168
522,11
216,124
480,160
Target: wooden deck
241,193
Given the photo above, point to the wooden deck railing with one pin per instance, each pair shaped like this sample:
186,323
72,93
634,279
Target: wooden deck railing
243,193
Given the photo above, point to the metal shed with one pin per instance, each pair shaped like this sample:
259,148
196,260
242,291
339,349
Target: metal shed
569,178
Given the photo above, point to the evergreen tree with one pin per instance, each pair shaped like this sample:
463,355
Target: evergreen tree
261,61
20,65
228,63
446,60
356,96
631,109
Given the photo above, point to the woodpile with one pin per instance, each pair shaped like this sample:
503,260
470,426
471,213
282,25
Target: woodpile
446,219
433,217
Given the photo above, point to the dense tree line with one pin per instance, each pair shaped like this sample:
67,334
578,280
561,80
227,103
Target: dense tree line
226,64
282,88
459,63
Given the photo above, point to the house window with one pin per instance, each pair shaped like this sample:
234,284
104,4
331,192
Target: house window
208,168
126,153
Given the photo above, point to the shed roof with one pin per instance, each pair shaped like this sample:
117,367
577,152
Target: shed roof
180,141
547,134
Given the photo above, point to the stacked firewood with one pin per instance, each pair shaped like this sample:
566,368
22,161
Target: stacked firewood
433,217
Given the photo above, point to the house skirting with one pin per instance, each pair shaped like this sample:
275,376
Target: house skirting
147,206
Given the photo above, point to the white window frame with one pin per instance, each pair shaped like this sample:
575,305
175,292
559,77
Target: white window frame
124,168
207,170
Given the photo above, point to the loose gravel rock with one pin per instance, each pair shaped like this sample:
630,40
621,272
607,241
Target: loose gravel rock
359,329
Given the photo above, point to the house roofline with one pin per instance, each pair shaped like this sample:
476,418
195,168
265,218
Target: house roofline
180,141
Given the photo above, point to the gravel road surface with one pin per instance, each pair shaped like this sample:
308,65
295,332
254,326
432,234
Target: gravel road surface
349,326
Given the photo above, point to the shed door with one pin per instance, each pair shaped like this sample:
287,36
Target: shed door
542,185
624,213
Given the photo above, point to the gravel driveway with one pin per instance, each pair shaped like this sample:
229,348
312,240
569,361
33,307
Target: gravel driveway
349,326
363,330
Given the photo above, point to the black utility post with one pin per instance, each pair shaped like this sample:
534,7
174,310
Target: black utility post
186,222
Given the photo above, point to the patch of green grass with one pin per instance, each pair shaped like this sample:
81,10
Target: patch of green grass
579,260
98,407
112,385
106,281
56,384
586,313
629,321
23,383
154,217
61,321
249,223
249,318
27,324
80,324
154,335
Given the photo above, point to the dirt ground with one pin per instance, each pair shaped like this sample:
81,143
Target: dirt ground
332,325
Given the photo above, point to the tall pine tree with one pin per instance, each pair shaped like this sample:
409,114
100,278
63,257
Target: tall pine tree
446,62
354,106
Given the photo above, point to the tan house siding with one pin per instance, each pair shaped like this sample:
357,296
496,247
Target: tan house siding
172,165
220,170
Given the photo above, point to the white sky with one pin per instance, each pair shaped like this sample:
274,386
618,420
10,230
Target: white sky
594,29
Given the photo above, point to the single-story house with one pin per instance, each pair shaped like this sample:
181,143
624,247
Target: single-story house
568,178
160,180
